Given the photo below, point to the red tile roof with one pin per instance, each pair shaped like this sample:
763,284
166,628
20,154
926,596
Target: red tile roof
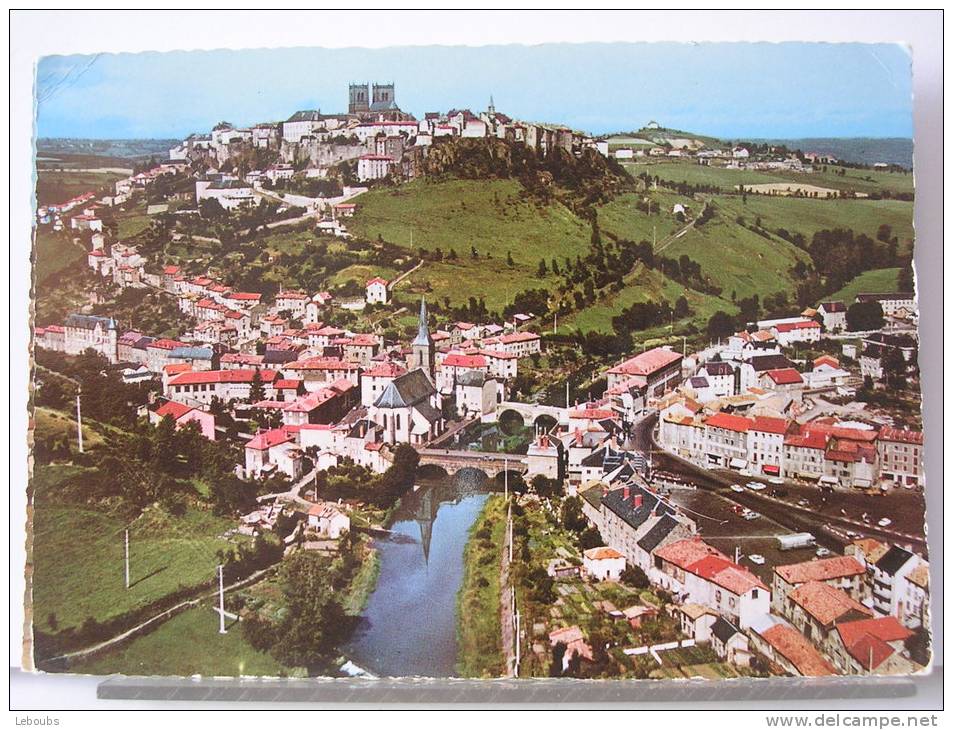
647,362
791,326
464,361
729,422
840,566
792,645
766,424
597,413
785,376
729,575
174,409
824,602
902,435
684,553
385,370
376,279
267,439
602,553
239,375
867,640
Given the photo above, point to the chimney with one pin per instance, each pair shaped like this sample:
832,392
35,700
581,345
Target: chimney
637,501
625,493
605,489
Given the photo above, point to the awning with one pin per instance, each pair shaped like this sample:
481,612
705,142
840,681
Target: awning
737,463
771,469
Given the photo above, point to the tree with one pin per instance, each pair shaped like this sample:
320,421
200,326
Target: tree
720,324
865,316
257,392
541,270
590,538
399,477
905,277
682,309
634,577
570,514
509,259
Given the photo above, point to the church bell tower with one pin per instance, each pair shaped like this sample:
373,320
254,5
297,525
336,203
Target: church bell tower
422,346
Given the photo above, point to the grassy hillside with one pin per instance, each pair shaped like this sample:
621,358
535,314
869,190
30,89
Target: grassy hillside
491,216
55,252
807,215
643,285
738,259
164,556
186,645
861,181
621,218
877,280
58,187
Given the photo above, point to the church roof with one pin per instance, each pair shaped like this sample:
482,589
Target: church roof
410,389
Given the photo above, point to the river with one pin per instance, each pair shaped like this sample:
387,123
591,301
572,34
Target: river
409,627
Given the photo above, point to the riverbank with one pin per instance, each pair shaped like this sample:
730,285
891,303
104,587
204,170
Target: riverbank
364,581
478,601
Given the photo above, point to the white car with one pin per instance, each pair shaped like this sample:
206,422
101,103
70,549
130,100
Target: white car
737,488
749,515
885,522
776,480
822,552
756,559
756,486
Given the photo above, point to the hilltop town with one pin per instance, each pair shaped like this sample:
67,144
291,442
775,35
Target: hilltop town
697,466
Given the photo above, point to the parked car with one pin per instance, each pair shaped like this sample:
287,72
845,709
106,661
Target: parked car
885,522
755,486
756,559
737,488
749,515
822,552
776,480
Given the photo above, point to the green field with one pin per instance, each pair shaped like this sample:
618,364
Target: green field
809,215
861,181
186,645
478,602
55,252
870,282
165,555
58,187
622,219
738,259
457,214
49,423
643,286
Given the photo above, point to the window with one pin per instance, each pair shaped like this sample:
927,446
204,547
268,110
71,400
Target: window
754,594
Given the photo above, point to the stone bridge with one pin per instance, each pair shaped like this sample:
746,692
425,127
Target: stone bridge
490,463
531,412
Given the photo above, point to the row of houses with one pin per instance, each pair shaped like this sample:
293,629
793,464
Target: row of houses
825,451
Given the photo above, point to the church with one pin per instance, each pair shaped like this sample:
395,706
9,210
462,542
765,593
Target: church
409,409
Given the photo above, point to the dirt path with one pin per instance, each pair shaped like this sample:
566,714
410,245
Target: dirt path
158,618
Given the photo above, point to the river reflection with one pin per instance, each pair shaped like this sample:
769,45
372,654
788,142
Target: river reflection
409,626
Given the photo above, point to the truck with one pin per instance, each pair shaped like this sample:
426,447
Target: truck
796,541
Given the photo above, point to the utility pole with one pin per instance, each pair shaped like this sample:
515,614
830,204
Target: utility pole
516,669
79,421
554,322
509,527
127,558
567,392
221,601
506,479
737,553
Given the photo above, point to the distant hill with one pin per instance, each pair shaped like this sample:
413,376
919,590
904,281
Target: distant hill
128,149
858,150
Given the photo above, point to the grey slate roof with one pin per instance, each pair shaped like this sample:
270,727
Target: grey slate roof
410,389
472,377
627,511
724,629
194,353
718,368
760,363
89,321
894,559
658,532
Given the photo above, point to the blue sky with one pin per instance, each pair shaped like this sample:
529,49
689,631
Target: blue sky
725,90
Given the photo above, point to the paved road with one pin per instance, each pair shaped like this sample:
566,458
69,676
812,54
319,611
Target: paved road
822,511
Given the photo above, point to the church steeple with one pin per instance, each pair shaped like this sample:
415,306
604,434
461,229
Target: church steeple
422,346
491,109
